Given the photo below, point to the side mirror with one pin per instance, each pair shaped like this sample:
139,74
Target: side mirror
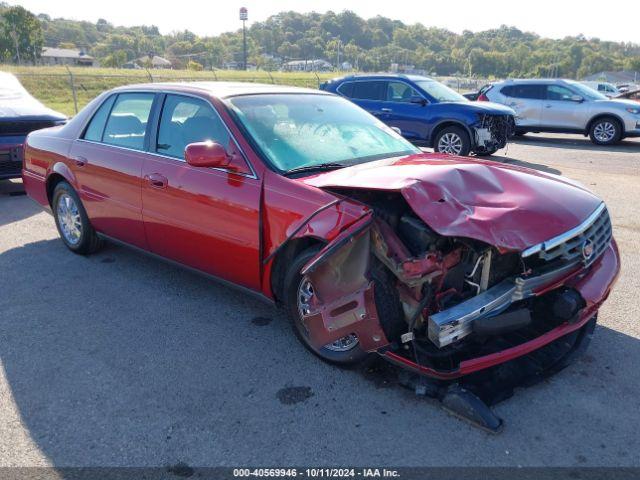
206,154
397,130
418,100
577,98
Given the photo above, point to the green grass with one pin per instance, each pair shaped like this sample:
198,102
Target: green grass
52,85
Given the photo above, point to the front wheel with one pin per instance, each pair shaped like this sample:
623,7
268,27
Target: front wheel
72,221
486,153
299,292
453,140
605,131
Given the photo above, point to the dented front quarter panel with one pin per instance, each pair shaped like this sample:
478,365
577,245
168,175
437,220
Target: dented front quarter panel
505,206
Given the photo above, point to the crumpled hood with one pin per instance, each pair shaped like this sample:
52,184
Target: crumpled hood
506,206
484,107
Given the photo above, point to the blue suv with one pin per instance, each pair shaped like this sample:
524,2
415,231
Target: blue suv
429,113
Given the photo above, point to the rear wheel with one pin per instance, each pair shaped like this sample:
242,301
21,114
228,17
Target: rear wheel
299,291
605,131
72,221
453,140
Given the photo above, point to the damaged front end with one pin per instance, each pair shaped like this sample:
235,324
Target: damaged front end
492,132
447,306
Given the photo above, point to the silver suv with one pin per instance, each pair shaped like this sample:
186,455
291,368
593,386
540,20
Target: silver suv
566,106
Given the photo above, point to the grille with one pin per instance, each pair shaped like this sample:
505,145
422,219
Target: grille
592,237
22,127
10,163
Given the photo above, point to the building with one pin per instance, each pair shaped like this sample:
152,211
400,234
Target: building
316,65
154,62
66,56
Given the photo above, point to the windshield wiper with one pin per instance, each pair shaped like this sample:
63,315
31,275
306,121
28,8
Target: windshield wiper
313,168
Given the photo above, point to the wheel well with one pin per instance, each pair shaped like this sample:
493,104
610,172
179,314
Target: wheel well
449,123
284,258
606,115
53,180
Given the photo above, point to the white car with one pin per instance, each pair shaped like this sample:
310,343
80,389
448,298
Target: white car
605,88
567,106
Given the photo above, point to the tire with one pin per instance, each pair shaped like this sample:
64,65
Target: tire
453,140
605,131
72,221
292,284
519,134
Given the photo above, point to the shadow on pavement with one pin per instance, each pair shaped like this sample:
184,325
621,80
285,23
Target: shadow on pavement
576,143
14,205
118,359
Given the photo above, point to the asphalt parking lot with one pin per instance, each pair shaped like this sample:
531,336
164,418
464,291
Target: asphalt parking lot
119,359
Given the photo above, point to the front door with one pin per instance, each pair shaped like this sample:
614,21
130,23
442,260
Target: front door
560,110
411,118
107,162
204,218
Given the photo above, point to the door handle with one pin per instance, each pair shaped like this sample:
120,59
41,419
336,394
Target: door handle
386,110
80,161
548,106
156,180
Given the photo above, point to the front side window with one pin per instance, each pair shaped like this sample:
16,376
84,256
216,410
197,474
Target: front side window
186,120
400,92
304,130
127,123
559,93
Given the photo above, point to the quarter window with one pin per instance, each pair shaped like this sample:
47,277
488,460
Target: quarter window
188,120
128,120
96,126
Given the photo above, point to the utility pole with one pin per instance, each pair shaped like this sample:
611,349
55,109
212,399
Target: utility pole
244,16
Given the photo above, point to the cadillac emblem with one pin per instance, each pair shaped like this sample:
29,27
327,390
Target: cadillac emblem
587,250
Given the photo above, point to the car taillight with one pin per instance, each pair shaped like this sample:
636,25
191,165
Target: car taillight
483,98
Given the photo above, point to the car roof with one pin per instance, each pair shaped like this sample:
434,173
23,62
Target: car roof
382,76
535,80
220,89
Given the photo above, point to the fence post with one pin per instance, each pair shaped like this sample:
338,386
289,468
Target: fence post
271,77
215,75
73,89
317,78
149,74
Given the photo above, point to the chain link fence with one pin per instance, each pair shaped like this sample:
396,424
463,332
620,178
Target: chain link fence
69,90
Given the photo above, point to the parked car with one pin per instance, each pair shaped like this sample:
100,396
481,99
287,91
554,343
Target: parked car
630,95
605,88
443,265
429,113
20,114
567,106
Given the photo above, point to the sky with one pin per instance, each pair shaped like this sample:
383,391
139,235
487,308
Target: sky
617,21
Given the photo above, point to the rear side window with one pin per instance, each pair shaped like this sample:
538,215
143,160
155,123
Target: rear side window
374,90
535,92
96,126
127,123
188,120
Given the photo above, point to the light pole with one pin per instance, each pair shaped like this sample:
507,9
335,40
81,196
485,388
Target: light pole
244,16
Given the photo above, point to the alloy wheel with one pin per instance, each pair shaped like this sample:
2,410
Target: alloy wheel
69,219
305,294
450,143
604,131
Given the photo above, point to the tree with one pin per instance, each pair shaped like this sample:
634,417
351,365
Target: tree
21,34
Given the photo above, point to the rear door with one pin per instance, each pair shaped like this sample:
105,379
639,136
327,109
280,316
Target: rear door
107,162
368,94
561,111
398,111
205,218
526,99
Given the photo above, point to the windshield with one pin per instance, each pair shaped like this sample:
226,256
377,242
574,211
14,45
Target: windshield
305,130
587,92
440,92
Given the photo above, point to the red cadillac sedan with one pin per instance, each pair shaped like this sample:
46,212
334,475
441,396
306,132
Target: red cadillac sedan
444,265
